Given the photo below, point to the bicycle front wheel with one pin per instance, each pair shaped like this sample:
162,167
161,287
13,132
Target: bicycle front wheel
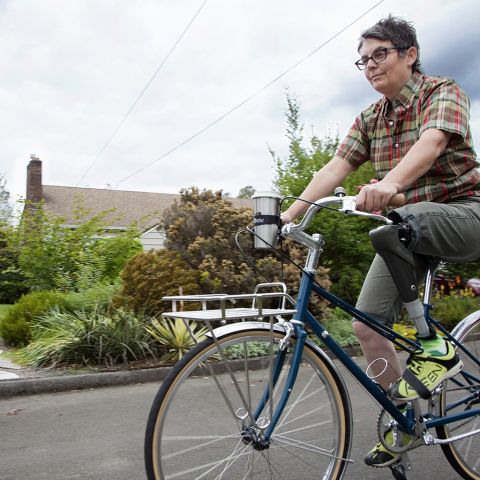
462,393
209,416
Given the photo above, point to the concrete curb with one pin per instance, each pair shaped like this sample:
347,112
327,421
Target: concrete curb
63,383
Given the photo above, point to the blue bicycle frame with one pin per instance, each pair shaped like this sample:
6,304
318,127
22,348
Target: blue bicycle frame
303,317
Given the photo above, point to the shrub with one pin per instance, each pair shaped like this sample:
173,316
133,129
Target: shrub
339,325
3,310
15,327
87,338
90,299
451,309
149,276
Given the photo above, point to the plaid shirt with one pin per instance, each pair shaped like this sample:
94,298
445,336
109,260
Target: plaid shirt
385,132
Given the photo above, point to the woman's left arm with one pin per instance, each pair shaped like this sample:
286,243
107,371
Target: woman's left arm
414,164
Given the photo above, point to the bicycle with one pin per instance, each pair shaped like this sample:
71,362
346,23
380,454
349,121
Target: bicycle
268,403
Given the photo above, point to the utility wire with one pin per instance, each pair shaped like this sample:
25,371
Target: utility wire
134,104
243,102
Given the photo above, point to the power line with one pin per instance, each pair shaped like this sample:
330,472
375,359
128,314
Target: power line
134,104
243,102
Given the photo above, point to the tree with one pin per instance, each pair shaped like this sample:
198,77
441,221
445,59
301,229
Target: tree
52,256
347,252
12,282
5,207
246,192
202,228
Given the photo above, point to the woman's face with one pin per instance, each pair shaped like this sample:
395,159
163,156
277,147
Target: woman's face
390,75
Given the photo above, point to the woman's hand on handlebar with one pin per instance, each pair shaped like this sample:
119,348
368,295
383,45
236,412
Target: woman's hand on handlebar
377,195
285,218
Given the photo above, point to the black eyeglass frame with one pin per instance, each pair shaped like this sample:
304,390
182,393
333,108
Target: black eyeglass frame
362,63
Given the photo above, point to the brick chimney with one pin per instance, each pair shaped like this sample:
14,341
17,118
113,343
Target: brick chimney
34,180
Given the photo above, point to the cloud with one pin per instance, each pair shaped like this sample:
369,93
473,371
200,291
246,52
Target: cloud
459,60
70,70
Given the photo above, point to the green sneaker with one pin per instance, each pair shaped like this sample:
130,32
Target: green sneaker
380,457
424,372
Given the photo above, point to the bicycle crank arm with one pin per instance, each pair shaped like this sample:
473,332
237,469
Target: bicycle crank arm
431,440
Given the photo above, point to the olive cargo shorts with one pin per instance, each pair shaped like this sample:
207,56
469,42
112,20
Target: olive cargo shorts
450,231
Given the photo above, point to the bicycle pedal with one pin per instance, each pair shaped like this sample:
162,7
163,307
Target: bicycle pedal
399,470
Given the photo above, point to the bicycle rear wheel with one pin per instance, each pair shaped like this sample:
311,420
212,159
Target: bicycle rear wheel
199,426
461,393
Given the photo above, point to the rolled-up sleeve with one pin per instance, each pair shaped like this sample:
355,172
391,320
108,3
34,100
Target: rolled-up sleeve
446,108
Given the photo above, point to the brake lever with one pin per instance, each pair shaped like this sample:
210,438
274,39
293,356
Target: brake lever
349,207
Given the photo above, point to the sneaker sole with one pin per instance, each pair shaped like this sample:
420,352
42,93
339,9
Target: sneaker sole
387,464
450,373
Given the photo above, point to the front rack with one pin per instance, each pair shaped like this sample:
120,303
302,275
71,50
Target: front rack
214,307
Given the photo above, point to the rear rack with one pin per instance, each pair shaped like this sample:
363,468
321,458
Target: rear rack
214,307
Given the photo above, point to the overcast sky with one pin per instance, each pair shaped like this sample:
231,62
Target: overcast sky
72,69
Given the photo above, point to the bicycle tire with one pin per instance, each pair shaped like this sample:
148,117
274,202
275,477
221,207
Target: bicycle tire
463,455
192,434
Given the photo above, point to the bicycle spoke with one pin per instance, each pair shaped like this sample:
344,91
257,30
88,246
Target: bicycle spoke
307,427
210,466
295,457
300,417
214,443
202,438
272,466
304,446
297,400
461,395
232,458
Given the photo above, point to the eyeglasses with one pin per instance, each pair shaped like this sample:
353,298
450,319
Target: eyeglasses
378,56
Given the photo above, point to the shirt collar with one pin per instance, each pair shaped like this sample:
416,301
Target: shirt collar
407,93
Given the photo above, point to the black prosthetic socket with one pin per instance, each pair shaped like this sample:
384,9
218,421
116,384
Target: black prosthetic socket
389,241
431,335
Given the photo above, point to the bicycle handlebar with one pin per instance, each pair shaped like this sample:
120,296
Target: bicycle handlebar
348,206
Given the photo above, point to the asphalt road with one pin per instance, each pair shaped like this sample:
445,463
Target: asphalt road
98,434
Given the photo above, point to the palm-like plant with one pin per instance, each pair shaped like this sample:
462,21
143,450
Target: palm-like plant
175,337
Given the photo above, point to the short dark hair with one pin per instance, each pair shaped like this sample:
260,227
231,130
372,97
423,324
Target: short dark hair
400,32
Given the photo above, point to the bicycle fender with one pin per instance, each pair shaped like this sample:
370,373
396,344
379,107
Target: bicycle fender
465,324
220,332
242,326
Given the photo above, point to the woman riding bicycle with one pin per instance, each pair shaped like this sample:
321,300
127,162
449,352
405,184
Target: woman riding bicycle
418,138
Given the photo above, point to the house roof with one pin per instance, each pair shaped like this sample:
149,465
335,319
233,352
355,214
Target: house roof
144,208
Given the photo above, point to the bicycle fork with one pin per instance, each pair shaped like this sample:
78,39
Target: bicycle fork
250,432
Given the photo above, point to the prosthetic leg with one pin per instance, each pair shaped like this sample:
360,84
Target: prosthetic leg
437,359
391,242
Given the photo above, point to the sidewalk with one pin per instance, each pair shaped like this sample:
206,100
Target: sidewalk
18,380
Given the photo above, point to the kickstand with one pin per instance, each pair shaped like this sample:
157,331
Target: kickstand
400,469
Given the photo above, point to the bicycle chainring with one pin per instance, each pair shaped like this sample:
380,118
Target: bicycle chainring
391,437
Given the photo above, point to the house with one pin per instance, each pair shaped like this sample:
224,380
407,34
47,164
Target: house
145,209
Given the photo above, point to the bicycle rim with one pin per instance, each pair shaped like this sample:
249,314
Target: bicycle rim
198,421
459,395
